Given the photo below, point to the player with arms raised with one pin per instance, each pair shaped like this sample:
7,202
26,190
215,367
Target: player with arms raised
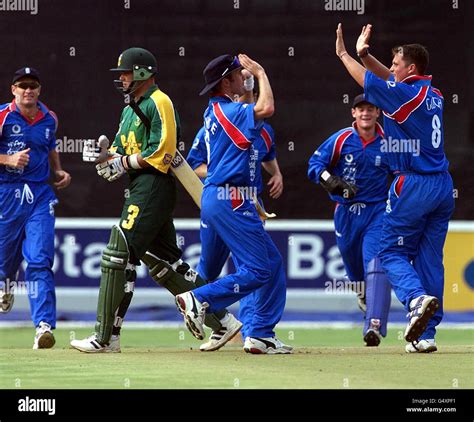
421,200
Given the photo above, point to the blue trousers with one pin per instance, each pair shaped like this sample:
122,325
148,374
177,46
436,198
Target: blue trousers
27,232
415,226
358,231
236,227
213,259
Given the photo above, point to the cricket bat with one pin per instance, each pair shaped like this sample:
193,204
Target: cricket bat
185,174
193,185
261,212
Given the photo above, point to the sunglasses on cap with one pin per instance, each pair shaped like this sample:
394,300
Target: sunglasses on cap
232,66
26,85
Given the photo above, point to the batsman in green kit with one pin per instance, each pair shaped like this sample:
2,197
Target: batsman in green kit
144,147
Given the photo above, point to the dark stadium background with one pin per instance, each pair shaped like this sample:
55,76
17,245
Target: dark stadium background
308,87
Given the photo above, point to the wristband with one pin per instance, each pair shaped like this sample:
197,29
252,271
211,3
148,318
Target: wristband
364,54
249,83
131,162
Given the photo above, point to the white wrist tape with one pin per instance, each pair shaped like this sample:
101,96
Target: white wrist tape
249,83
133,161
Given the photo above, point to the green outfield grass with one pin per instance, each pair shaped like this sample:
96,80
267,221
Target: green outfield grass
170,358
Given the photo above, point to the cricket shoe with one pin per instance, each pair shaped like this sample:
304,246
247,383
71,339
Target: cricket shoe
268,345
372,336
193,312
44,338
6,301
422,346
230,328
422,308
91,345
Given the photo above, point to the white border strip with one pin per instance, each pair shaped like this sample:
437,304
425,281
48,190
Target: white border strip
193,224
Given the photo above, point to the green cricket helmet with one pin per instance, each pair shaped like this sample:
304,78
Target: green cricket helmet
139,61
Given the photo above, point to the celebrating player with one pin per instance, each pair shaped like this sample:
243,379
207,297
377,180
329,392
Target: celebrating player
262,154
227,207
421,198
350,166
143,147
27,151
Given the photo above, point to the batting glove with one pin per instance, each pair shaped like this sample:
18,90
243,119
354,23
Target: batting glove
111,169
337,186
95,150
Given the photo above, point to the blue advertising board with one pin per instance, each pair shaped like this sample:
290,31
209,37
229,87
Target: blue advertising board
308,248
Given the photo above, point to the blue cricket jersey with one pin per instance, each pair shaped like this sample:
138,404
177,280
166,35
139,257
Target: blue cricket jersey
17,134
197,155
230,130
261,150
413,122
355,160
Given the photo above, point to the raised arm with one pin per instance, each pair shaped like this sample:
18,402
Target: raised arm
355,69
369,61
265,106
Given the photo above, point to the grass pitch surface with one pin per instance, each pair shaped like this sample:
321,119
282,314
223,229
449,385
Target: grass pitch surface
170,358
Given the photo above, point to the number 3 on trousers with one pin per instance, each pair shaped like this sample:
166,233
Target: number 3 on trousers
133,211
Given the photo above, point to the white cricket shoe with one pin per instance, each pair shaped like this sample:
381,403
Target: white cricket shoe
6,301
91,345
268,345
230,327
44,338
422,346
422,308
193,312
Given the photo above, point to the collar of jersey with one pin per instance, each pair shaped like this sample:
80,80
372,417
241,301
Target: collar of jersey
149,91
378,133
418,79
41,106
221,97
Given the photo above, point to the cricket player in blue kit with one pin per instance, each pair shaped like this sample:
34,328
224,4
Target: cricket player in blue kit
350,166
230,130
27,150
421,199
263,154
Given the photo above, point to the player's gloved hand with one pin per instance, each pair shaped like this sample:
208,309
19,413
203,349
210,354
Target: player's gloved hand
111,169
337,186
95,151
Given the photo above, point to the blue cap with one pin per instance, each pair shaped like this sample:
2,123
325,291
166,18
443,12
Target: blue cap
26,71
359,100
217,69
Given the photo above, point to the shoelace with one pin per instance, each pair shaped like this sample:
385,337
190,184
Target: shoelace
414,312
